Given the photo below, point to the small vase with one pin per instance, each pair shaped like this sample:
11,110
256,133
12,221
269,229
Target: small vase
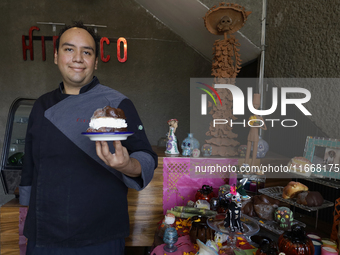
170,238
189,144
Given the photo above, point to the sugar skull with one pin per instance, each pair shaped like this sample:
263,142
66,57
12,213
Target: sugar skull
262,148
284,217
189,144
206,150
195,153
242,150
186,150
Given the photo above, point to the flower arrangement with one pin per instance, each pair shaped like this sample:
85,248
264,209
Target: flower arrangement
252,120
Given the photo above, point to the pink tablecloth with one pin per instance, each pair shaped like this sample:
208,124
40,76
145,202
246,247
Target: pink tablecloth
22,238
180,184
183,245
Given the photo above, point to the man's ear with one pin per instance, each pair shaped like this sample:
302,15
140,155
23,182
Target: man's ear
56,57
96,64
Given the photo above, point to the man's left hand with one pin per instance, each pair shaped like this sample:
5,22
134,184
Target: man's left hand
120,160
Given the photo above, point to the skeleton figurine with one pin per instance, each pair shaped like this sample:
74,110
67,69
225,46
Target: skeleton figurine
233,216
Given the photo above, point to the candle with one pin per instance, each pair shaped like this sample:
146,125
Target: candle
247,185
314,237
328,251
329,243
317,247
253,186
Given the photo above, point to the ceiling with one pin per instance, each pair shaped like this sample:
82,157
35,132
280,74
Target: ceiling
185,18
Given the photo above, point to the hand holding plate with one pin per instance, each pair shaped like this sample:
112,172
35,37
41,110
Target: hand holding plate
120,160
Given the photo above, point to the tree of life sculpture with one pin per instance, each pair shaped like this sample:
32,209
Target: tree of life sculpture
225,20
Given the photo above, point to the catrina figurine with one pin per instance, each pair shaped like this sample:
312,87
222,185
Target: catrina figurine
233,216
240,189
284,217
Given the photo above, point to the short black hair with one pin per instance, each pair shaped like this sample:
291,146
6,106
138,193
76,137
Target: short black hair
80,24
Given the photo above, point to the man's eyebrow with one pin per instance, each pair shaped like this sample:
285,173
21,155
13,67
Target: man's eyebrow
68,44
72,45
88,47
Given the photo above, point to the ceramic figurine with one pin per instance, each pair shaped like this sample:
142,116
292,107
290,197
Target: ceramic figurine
204,204
220,238
189,144
262,148
284,216
195,153
168,221
169,218
171,145
206,150
233,216
255,123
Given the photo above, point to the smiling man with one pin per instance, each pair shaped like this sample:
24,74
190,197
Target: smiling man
77,189
76,59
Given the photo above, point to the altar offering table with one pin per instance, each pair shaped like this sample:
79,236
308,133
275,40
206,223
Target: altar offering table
145,209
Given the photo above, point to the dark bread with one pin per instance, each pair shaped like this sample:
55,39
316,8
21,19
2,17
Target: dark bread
310,198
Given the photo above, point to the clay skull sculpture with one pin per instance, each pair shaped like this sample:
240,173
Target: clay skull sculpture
225,24
225,19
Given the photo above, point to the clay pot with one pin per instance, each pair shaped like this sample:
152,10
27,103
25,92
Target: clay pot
200,230
205,193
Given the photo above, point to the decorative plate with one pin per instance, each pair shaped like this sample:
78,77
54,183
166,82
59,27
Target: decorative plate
114,136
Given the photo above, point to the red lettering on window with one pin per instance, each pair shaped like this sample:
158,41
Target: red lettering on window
43,48
30,45
55,37
102,40
123,40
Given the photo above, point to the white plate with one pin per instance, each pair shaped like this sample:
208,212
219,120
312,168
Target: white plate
114,136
